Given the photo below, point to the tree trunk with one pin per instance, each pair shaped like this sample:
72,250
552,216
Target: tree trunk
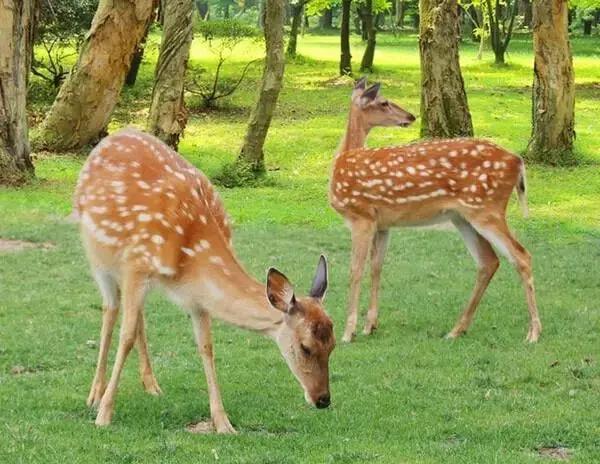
83,107
251,154
400,11
326,19
136,60
346,57
444,107
587,26
526,11
16,44
553,110
168,114
202,7
367,60
297,11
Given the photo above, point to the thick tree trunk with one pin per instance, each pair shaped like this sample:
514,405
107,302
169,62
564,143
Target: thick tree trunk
444,107
16,43
553,111
83,107
297,11
251,154
367,60
168,114
346,56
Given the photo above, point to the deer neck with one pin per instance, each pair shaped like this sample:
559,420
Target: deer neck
227,292
356,134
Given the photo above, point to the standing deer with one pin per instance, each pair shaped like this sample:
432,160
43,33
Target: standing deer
149,218
466,181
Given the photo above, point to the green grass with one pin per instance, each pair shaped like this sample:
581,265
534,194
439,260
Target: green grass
404,395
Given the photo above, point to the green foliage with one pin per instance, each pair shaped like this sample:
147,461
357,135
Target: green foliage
228,32
60,29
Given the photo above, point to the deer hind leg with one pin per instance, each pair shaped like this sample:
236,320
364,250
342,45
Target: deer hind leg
110,310
134,290
146,372
378,250
487,264
499,235
362,232
202,332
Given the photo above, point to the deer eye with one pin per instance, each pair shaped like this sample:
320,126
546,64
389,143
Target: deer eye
385,103
305,349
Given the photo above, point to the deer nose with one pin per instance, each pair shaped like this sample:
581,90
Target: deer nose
323,401
411,117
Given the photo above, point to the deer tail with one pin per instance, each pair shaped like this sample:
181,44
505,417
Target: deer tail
521,189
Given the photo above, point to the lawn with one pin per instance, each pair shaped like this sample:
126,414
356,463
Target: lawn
404,395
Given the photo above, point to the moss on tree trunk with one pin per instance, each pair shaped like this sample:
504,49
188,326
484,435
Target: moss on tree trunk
16,42
251,154
553,96
444,107
168,115
86,100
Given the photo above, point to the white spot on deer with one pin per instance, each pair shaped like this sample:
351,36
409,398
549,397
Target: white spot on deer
139,208
135,175
98,209
473,188
143,185
158,239
143,217
487,164
188,251
216,260
165,270
180,175
179,229
411,170
482,177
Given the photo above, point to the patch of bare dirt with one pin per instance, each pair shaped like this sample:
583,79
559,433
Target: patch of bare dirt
8,246
201,427
560,453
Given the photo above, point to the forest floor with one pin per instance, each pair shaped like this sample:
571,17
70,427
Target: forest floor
403,395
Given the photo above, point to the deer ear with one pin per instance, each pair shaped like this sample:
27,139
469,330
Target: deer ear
280,291
319,285
370,94
359,87
361,84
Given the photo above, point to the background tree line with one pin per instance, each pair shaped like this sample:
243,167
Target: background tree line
37,37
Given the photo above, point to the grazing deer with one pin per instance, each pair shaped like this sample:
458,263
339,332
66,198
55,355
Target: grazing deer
466,181
147,218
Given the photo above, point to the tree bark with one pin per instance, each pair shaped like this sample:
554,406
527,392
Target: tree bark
138,56
553,98
369,54
16,44
346,56
526,11
168,115
297,11
400,11
251,154
326,19
85,102
444,107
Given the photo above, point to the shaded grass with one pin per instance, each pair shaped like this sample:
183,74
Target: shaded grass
403,395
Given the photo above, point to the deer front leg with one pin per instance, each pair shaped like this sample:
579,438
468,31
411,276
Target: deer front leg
146,372
110,310
134,290
202,325
380,244
362,233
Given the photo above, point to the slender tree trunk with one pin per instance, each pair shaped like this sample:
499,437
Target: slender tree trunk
346,56
136,60
168,114
444,107
587,26
526,11
400,11
251,154
202,7
86,100
367,60
326,19
16,44
553,110
297,11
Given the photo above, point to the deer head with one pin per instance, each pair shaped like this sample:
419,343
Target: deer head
375,110
306,337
